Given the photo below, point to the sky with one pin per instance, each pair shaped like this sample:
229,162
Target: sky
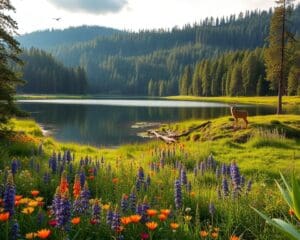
134,15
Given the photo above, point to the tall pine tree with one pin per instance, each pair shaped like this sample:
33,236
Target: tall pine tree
9,50
276,55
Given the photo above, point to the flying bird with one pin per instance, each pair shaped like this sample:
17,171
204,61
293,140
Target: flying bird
56,19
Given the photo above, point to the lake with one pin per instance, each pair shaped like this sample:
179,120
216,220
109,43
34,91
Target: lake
111,122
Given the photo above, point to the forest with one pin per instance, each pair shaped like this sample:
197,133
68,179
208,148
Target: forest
155,62
44,74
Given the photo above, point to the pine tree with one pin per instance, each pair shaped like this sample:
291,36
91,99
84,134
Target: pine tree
9,50
185,81
276,57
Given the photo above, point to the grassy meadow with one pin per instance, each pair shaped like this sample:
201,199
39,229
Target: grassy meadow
202,187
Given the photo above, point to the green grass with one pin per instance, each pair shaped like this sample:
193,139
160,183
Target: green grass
270,144
272,100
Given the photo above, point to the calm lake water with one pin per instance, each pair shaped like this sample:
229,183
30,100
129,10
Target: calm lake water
111,122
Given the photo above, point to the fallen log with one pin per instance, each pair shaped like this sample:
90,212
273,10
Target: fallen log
172,137
166,139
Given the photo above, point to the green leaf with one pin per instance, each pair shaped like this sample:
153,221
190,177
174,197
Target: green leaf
281,225
286,195
296,196
285,183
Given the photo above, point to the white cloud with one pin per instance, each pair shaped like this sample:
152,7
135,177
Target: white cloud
90,6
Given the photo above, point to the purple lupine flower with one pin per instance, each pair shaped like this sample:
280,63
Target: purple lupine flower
59,157
224,169
82,178
249,186
145,206
53,165
77,208
63,213
70,168
85,197
177,194
139,209
242,181
68,156
124,203
141,175
235,175
15,231
225,188
109,217
211,208
9,195
96,211
14,167
116,221
202,168
183,176
55,202
132,200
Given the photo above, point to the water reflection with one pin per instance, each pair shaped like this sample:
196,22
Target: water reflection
111,125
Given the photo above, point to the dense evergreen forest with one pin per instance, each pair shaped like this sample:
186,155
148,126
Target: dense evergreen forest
44,74
50,38
156,62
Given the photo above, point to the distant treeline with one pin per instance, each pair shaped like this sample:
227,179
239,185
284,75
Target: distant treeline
44,74
153,62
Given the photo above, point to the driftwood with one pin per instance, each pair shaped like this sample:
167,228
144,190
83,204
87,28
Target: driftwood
172,137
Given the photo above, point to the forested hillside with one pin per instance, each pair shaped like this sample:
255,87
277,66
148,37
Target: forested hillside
153,62
51,38
43,74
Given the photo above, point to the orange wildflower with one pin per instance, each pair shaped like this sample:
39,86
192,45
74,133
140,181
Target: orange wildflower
174,226
63,187
76,187
214,234
105,206
35,193
92,177
75,220
151,212
135,218
115,180
151,225
4,216
126,220
43,233
162,217
165,211
203,234
234,237
18,197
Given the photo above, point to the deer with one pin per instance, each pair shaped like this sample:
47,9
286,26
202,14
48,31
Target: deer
236,114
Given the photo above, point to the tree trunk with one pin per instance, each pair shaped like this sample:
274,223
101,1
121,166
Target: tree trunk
281,80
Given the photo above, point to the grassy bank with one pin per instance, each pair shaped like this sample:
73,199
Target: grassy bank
287,100
145,174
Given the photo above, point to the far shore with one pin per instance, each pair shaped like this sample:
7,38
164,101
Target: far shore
261,100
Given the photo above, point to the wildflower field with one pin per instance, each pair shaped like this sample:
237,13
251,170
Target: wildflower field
202,187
